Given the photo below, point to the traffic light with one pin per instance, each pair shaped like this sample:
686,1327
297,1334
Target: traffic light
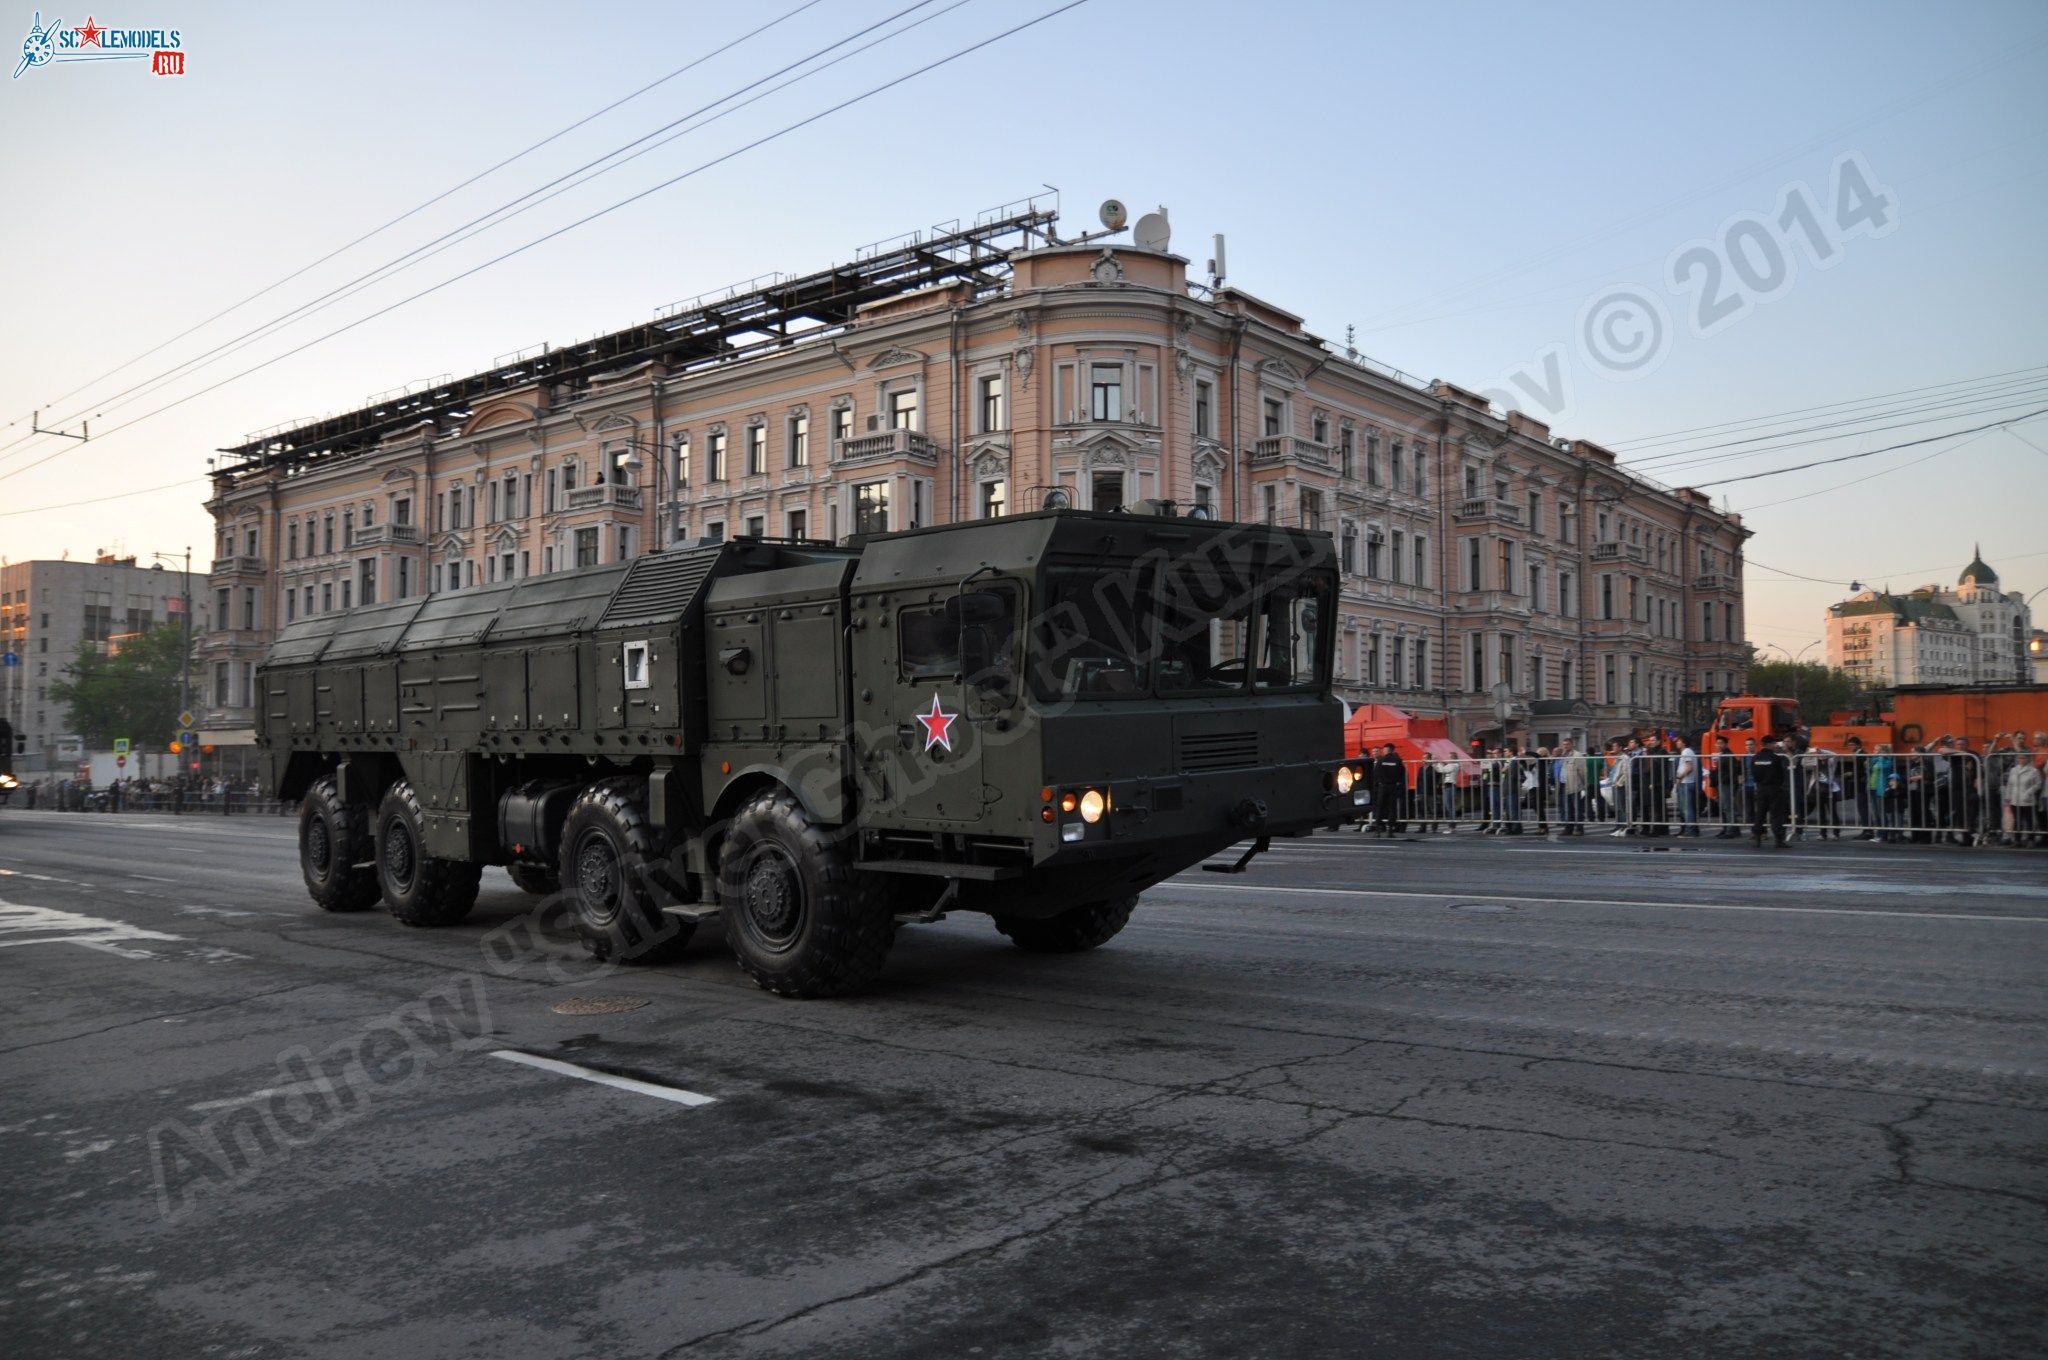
177,748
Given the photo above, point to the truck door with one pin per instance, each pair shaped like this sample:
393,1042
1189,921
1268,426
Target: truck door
944,661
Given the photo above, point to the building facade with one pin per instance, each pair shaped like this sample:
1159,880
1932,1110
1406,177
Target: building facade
1975,634
1488,567
47,611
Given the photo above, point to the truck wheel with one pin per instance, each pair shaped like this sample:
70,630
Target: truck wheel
618,877
1070,932
803,921
418,889
335,850
534,879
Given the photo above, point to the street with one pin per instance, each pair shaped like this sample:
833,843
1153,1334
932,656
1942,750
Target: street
1421,1097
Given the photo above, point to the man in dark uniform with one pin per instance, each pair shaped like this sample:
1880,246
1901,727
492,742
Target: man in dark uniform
1389,788
1770,770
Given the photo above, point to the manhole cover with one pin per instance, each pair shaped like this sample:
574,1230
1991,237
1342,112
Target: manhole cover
1481,906
598,1005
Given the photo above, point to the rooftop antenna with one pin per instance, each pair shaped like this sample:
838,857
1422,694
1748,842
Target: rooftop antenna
1351,343
1216,271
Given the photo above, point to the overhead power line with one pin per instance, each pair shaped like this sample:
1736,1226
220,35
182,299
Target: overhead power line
2023,398
503,212
585,220
1872,453
1679,436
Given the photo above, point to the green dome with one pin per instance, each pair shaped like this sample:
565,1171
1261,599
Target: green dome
1977,571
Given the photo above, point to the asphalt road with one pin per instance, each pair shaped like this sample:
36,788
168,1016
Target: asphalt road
1423,1098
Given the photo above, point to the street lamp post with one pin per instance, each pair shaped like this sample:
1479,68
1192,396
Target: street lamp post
663,511
185,608
1794,659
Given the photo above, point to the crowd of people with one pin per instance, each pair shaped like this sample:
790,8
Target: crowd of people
1775,789
173,793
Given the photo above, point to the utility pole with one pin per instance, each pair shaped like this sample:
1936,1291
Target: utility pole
185,602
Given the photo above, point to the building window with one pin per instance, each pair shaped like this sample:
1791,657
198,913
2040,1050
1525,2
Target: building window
348,529
714,456
1106,391
327,532
842,423
1473,577
1275,421
405,578
1422,663
1568,523
799,441
1421,560
714,529
1565,687
993,417
798,524
1346,467
1398,669
1394,464
757,526
1706,622
1311,508
586,547
1374,542
1319,428
1106,491
871,508
1535,588
1536,512
291,605
1507,566
1475,665
1269,503
995,499
291,541
1205,498
1507,658
1421,461
1607,596
1205,410
1567,597
757,450
903,409
347,591
1347,549
1372,460
1372,661
221,616
1397,557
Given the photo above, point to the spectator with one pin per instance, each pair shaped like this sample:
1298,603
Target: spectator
1887,792
1621,779
1574,776
1821,790
1687,776
1512,771
1771,773
1855,774
1448,773
1538,782
1727,772
2022,799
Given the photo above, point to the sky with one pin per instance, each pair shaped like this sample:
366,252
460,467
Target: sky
1722,241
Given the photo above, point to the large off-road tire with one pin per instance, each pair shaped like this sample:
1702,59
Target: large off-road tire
418,889
619,878
335,849
1070,932
802,919
533,878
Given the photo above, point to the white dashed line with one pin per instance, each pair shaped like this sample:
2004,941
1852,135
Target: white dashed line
645,1088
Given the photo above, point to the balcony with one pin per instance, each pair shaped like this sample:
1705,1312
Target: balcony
1715,580
1485,510
886,444
604,496
1493,602
388,535
1617,552
238,566
1289,448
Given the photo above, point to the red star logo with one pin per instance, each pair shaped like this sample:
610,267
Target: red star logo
89,36
938,725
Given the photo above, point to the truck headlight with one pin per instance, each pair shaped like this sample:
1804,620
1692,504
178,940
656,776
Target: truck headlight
1093,805
1344,779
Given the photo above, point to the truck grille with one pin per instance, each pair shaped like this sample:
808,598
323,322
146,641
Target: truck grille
1202,752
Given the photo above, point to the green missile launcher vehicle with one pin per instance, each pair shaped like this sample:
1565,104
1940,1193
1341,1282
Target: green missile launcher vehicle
1035,717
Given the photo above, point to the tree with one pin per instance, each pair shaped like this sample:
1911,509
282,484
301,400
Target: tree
132,693
1820,690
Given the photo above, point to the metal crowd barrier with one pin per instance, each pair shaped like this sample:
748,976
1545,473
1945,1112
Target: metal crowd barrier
1913,796
75,799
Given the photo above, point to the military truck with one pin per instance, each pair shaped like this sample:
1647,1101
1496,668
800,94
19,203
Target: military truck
1034,717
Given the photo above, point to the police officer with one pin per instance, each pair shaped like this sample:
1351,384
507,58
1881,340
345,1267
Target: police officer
1389,788
1770,772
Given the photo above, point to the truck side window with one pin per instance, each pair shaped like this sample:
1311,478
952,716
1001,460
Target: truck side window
1291,617
927,642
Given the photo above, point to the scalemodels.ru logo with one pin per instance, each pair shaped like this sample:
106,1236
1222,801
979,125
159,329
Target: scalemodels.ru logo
163,47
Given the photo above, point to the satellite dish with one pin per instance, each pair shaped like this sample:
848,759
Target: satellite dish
1114,214
1152,231
1057,499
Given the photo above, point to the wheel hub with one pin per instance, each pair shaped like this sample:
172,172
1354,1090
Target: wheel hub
773,895
597,879
319,850
399,859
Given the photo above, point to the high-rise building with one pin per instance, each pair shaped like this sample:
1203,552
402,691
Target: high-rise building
1975,634
1487,566
47,611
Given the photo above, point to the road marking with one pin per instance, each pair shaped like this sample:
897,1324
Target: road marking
296,1088
1193,886
645,1088
19,919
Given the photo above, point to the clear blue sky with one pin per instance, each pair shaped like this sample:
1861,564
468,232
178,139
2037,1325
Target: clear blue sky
1457,182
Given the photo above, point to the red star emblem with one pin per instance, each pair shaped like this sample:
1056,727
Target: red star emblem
938,725
89,36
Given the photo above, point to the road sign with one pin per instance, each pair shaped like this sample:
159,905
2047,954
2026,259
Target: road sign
186,738
10,658
188,719
120,762
121,746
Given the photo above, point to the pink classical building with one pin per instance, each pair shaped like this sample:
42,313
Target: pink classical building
1489,567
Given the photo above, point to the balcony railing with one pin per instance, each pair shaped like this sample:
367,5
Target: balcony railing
870,448
1484,509
1286,448
1714,580
604,496
238,566
1617,552
395,535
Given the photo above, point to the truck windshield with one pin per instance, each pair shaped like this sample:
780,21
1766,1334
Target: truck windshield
1192,630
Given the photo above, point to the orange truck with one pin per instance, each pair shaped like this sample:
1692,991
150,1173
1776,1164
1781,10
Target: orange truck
1418,741
1920,713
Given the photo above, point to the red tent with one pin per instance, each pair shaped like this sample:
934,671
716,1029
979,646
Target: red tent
1416,740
